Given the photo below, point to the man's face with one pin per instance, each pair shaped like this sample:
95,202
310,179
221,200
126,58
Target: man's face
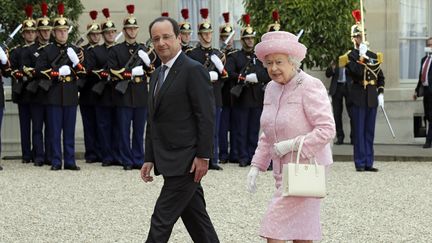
185,37
249,42
61,35
131,32
205,38
44,35
109,36
166,44
429,43
29,35
94,38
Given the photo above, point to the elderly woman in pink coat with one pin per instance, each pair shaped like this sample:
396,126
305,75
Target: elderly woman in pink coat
295,105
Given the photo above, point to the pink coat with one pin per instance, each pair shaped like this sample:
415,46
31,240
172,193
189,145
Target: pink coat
300,107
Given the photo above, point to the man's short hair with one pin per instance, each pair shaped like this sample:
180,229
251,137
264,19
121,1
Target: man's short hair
171,20
428,39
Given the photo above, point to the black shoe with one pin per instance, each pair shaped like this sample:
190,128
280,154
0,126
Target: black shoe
339,141
39,164
90,161
55,167
223,161
243,164
127,167
1,168
46,162
215,167
105,164
137,167
25,161
371,169
234,161
73,167
427,144
360,169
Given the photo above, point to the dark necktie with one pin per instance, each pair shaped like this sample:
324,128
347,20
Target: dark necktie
425,70
160,79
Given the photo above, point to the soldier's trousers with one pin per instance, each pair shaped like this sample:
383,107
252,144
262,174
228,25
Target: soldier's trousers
91,135
25,131
364,132
105,116
224,129
37,116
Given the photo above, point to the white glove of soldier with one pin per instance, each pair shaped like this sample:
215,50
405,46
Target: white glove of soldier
217,62
64,70
286,146
251,78
381,100
362,50
137,71
144,57
72,56
251,179
213,75
3,56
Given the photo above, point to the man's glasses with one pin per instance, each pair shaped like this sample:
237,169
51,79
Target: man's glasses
156,39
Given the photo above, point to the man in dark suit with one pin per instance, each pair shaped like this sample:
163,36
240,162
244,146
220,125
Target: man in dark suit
339,89
424,89
179,136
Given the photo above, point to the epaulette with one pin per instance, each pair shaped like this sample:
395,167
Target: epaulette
343,60
14,48
380,57
42,46
232,52
190,49
112,45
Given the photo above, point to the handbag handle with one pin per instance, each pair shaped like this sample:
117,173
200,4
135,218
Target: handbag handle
302,138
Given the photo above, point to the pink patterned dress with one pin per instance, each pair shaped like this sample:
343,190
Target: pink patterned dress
300,107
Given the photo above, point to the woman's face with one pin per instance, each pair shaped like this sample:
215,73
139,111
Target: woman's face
279,68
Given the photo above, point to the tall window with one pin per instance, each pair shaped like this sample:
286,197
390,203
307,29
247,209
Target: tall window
415,22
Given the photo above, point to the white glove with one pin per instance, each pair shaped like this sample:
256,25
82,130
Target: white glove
381,100
363,49
251,78
72,56
64,70
137,71
251,179
284,147
217,62
144,57
3,57
213,75
330,98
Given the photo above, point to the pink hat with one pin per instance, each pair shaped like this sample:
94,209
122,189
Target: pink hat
280,42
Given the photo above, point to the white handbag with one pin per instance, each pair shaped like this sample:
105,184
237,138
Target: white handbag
303,180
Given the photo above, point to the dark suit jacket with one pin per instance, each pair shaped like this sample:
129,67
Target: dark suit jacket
335,76
419,88
180,120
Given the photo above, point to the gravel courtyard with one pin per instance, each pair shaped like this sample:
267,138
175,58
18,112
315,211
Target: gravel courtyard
99,204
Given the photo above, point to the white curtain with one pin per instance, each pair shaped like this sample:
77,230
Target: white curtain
414,29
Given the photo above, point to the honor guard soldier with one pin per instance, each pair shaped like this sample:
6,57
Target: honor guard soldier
225,30
249,77
4,69
185,30
276,25
103,89
367,90
40,137
20,80
212,59
59,66
130,64
86,96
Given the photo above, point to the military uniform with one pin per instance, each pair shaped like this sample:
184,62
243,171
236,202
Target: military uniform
367,83
87,102
131,106
202,55
185,28
247,98
4,69
62,95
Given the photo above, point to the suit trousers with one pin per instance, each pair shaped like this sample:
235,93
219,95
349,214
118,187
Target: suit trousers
1,119
364,127
181,197
427,106
224,130
25,131
337,103
215,159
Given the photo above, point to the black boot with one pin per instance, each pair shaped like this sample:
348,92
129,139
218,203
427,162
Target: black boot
427,143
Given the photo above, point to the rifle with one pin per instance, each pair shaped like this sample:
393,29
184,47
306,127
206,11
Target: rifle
6,43
61,59
99,87
133,61
238,88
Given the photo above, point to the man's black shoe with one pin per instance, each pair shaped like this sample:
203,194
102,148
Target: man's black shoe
1,168
25,161
427,144
39,164
55,167
243,164
137,167
339,141
127,167
105,164
215,167
73,167
223,161
360,169
371,169
90,161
